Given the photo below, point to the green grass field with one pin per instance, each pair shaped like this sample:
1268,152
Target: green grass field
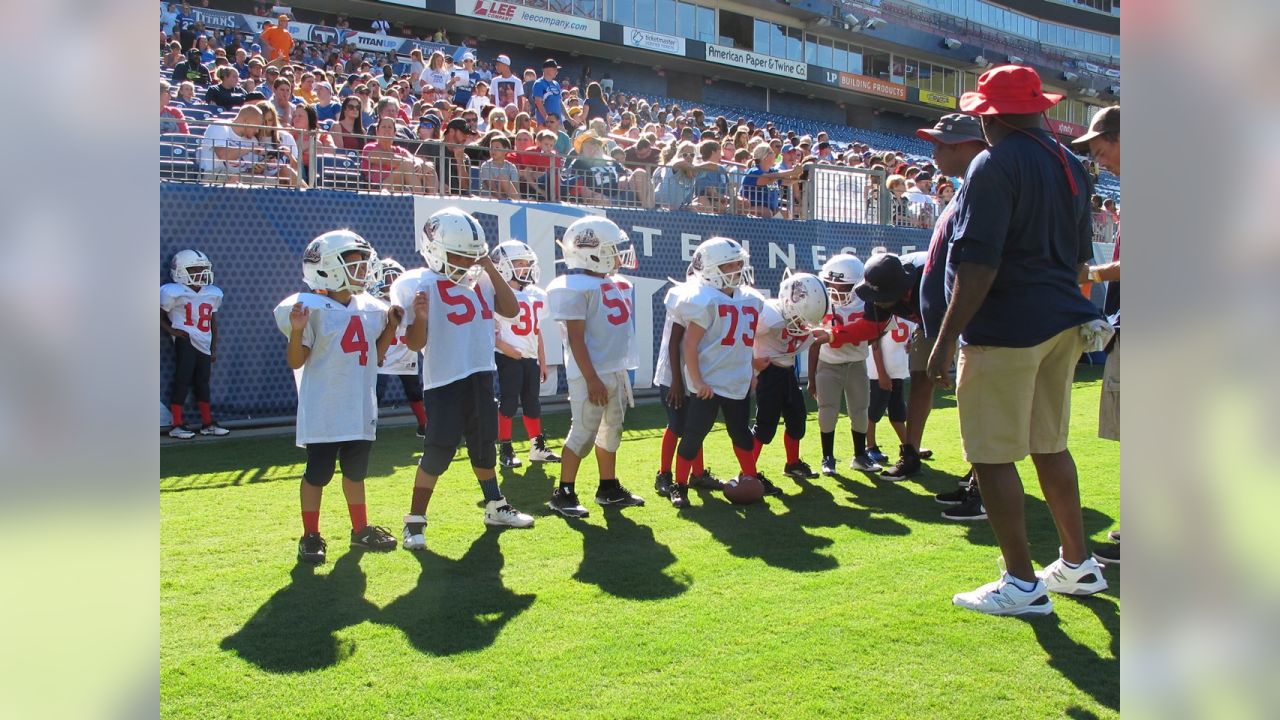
832,602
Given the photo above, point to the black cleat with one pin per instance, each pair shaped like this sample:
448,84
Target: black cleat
769,488
373,538
971,509
618,496
925,454
828,466
908,465
705,480
565,502
679,496
799,470
311,549
1107,553
422,431
662,483
955,497
507,457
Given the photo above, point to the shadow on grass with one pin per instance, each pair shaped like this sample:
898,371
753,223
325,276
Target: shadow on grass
625,560
1092,674
458,605
294,631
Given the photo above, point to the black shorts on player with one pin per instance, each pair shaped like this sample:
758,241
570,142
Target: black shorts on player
411,384
351,455
893,401
778,396
463,410
519,382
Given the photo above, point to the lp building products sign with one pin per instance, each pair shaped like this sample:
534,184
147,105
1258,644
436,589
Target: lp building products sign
754,61
872,86
522,16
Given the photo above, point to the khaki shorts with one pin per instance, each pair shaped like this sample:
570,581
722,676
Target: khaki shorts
848,380
1016,401
918,351
595,423
1109,407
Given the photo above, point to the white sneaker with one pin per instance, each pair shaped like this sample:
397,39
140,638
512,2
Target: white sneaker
500,512
1004,598
215,429
1085,579
181,433
415,528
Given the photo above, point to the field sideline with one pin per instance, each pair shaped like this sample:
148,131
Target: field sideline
831,602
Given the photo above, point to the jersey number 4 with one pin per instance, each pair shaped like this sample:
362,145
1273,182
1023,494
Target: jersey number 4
459,298
528,321
731,312
353,340
203,318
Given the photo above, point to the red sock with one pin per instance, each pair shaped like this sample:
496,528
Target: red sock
697,463
746,460
683,468
359,517
755,451
176,411
792,445
310,521
669,442
504,428
419,411
206,413
532,426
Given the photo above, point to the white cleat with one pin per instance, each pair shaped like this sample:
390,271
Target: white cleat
415,528
1002,597
500,513
181,433
215,430
1084,579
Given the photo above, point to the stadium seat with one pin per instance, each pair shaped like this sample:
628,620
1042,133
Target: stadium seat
190,142
177,163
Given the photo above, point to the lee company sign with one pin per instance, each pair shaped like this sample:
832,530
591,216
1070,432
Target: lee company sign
523,16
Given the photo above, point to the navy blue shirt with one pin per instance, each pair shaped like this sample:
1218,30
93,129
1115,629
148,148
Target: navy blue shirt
933,290
1015,212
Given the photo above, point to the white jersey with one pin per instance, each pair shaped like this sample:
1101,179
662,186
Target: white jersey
773,342
847,352
400,359
192,311
522,331
893,347
662,370
336,399
459,324
607,305
724,353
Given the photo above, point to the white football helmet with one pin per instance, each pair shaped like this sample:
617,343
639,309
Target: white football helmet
324,269
453,231
802,298
182,262
385,272
716,252
597,244
506,254
842,269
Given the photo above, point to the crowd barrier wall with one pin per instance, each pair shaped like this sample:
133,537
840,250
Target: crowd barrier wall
255,238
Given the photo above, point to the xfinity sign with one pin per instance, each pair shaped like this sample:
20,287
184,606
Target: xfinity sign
755,61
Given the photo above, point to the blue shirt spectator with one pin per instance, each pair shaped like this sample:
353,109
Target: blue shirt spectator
548,91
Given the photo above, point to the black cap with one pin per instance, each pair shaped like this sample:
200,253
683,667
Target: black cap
459,124
549,62
954,128
884,280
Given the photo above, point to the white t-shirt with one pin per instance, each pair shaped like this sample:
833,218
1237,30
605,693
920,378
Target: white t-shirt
847,352
607,305
506,90
522,331
221,134
438,79
893,346
192,311
460,324
724,353
774,342
662,369
336,399
381,27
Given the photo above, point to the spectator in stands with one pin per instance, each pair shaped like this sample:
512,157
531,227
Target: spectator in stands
206,52
479,102
946,191
282,96
305,90
326,107
168,18
278,41
304,126
191,70
381,26
229,147
923,210
711,190
174,56
642,153
546,94
497,120
186,96
280,152
1111,209
595,103
535,162
171,118
349,130
227,93
601,180
673,185
900,206
760,193
388,166
242,63
464,80
433,84
498,177
505,88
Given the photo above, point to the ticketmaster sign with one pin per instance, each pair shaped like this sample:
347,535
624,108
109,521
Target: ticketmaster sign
754,61
649,40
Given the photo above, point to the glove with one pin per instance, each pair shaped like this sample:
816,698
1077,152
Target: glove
1096,334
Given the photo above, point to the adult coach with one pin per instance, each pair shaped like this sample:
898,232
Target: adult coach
1022,233
1103,143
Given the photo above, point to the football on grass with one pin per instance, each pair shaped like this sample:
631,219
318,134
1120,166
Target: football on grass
744,490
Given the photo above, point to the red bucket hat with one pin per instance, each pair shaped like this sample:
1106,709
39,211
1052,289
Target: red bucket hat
1008,90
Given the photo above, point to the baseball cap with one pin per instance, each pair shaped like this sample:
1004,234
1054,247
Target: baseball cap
324,84
1008,90
255,48
788,147
504,60
884,279
459,124
954,128
468,56
1106,120
550,63
824,144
